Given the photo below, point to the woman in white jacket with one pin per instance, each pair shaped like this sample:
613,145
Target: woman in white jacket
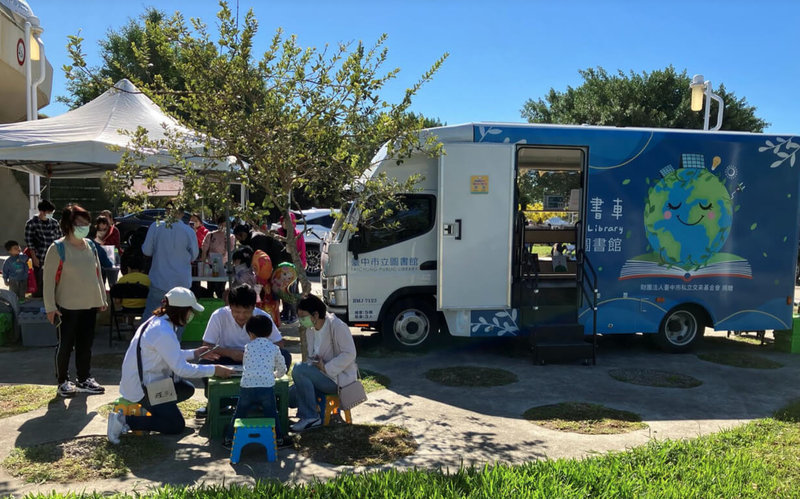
331,360
155,354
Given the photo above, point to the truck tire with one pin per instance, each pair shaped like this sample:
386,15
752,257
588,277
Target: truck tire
410,324
680,329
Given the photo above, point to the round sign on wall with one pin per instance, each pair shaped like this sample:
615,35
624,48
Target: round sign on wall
21,51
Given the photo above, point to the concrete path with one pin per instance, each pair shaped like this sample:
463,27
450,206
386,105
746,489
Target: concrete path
453,426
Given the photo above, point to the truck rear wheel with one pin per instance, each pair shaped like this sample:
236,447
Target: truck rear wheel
410,324
680,329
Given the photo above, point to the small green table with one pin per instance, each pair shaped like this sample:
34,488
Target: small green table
220,388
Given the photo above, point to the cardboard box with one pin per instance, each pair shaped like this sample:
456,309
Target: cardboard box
36,330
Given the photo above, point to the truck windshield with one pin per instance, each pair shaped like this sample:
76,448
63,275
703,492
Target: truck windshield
412,217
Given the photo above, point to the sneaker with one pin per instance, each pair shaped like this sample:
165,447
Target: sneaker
89,385
305,424
116,426
67,389
201,413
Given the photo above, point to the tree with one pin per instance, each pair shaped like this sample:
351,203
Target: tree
657,99
144,50
292,118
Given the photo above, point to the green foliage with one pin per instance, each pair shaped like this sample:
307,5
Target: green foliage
758,459
657,99
291,119
144,50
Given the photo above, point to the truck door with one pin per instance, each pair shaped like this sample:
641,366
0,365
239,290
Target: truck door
475,226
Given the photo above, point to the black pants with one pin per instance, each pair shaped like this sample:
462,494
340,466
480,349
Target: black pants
164,418
75,332
38,273
218,288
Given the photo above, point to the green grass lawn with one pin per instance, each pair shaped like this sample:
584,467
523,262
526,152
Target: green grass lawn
759,459
16,399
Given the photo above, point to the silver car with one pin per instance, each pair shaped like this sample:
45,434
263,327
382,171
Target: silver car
318,223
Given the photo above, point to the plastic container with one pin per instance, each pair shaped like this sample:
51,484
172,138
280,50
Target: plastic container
6,328
788,340
194,330
37,330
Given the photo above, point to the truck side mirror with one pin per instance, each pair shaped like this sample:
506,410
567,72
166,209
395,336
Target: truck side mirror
354,244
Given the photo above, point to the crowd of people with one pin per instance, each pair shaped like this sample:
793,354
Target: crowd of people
69,267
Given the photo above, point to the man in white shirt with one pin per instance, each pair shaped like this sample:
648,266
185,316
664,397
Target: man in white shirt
226,327
226,333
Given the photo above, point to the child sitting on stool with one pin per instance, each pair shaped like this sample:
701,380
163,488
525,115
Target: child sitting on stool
262,363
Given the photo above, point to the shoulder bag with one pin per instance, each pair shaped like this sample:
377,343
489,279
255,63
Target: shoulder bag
157,392
352,394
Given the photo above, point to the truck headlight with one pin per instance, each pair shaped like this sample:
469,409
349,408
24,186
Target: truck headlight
338,282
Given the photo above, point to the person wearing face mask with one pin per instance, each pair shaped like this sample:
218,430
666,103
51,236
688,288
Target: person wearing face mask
40,232
73,293
226,332
331,360
154,355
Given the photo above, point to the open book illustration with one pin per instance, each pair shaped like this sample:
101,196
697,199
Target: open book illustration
720,265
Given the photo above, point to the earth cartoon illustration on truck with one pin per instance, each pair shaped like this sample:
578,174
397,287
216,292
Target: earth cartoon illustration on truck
687,217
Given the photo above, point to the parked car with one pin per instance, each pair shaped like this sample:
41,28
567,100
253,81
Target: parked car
138,222
318,223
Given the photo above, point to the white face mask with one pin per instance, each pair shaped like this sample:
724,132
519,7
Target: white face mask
49,216
189,317
81,231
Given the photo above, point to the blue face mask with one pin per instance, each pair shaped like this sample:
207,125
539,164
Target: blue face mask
81,231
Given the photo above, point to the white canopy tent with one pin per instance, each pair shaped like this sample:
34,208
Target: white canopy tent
76,143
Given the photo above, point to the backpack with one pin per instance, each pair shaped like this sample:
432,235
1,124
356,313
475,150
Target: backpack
62,255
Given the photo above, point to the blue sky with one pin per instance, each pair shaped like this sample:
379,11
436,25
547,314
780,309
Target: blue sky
504,52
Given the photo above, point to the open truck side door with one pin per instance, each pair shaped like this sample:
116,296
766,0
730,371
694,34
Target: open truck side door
475,226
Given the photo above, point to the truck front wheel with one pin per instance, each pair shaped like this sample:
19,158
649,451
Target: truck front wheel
680,329
410,324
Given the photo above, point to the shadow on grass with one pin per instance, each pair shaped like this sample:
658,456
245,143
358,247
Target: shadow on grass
356,444
82,459
655,378
790,413
585,418
472,376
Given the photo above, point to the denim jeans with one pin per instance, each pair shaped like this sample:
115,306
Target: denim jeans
307,381
164,418
153,303
249,399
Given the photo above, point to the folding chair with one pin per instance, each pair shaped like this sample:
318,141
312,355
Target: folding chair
120,291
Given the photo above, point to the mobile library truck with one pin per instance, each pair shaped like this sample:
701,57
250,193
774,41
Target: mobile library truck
657,231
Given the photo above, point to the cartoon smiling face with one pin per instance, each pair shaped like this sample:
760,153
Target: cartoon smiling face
687,217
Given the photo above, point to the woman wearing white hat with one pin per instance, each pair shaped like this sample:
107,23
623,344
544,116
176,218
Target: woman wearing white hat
154,365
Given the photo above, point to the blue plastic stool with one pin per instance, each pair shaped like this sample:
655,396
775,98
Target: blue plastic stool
254,430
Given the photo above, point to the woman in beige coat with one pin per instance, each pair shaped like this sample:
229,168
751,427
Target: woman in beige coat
331,360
